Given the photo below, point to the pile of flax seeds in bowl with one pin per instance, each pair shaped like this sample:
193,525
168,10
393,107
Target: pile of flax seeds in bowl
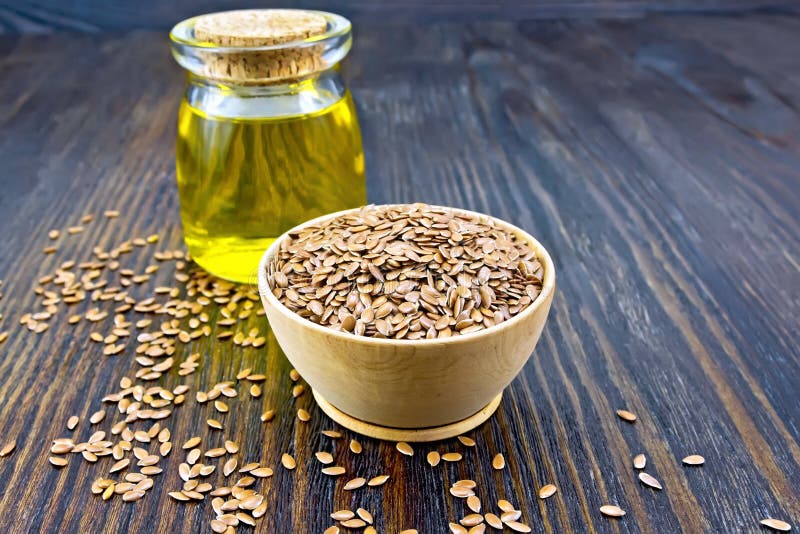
409,271
148,318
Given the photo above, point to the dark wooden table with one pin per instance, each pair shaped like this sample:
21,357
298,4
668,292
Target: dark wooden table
659,161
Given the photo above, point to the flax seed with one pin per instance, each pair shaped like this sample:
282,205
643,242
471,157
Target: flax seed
694,459
379,480
466,441
612,511
649,480
404,448
354,483
8,448
625,415
334,471
776,524
639,461
288,462
57,461
499,461
324,457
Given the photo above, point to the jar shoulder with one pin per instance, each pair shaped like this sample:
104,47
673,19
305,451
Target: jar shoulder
251,102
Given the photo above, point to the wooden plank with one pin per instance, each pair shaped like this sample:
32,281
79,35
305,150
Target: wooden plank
656,159
51,15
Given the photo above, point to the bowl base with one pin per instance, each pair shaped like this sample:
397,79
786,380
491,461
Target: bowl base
433,433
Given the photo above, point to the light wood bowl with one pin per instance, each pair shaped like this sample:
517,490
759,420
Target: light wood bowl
412,390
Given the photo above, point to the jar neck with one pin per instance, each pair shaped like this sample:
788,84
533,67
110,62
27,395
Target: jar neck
298,97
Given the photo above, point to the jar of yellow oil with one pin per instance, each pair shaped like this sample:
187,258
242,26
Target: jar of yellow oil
267,132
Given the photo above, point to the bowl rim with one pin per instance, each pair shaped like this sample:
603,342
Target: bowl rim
548,285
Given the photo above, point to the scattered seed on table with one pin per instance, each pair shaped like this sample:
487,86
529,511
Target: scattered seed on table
355,447
461,492
120,465
639,461
267,416
625,415
255,391
213,423
505,506
405,448
511,515
354,483
97,417
354,523
220,406
248,467
474,503
471,520
343,515
131,496
466,441
433,458
57,461
378,480
548,490
229,467
776,524
694,459
288,462
332,530
332,434
324,457
191,443
499,461
334,471
649,480
298,390
493,521
365,515
518,527
452,457
612,511
455,528
261,472
409,531
72,422
303,415
8,448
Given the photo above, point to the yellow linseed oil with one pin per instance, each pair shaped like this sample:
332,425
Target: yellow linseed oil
244,181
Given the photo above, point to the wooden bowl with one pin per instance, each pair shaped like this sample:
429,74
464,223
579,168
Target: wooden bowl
409,390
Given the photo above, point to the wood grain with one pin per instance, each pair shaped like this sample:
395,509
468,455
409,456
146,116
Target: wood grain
46,16
657,160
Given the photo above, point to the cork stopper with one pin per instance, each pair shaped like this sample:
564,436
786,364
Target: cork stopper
261,28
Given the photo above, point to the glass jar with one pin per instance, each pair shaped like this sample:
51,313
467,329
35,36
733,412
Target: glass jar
267,136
